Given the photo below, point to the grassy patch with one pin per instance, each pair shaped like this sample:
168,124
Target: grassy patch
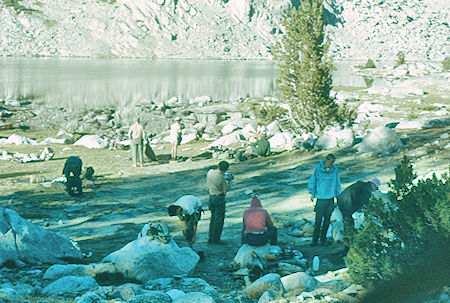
18,7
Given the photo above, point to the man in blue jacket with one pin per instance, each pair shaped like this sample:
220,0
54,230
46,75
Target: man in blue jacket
324,185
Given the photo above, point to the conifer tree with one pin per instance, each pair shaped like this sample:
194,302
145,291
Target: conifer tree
305,78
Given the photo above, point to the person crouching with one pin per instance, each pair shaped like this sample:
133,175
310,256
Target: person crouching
188,208
257,225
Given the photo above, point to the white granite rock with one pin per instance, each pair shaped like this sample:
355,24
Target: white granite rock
70,285
23,241
269,281
145,259
299,281
92,141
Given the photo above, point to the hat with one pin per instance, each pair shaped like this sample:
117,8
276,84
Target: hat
177,118
376,182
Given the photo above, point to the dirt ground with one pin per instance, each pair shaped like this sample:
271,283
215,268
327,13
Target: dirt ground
109,216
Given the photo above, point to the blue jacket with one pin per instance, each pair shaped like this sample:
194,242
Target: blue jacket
324,184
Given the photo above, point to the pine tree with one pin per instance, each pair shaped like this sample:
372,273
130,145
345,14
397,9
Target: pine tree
305,78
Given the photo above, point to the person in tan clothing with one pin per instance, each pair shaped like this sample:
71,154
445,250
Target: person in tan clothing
136,135
217,186
175,137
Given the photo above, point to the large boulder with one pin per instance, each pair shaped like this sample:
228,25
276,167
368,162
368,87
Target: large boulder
270,281
298,281
273,129
70,285
381,140
249,131
227,140
282,141
92,141
18,140
146,259
22,241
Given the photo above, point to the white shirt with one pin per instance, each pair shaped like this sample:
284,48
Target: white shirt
175,130
189,204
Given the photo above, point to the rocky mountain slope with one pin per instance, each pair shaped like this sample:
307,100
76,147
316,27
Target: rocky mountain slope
230,29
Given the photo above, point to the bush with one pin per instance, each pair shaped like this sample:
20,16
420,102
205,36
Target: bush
446,64
369,64
403,237
400,59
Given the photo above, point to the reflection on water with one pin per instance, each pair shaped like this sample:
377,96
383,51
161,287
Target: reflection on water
104,82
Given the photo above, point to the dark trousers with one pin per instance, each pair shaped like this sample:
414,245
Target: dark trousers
191,221
217,208
74,182
270,235
323,209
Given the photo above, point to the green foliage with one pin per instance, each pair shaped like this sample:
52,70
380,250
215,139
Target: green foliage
369,64
400,59
399,232
267,113
18,7
446,64
305,70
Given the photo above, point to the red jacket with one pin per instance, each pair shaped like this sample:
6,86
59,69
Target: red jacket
256,218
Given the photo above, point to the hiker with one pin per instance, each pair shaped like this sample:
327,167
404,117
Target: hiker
175,137
72,172
262,146
188,208
257,225
324,185
353,198
218,185
136,135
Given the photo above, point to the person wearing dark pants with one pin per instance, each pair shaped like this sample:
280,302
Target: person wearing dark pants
189,210
217,186
324,185
351,200
257,225
324,209
217,208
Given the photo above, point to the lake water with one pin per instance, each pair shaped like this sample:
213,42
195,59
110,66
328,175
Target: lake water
125,82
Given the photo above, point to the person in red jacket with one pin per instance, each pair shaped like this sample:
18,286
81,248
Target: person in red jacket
257,225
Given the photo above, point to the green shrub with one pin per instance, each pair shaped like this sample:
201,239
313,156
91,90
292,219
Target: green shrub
369,64
400,59
446,64
401,234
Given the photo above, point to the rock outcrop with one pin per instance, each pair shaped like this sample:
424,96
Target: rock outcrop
240,29
24,242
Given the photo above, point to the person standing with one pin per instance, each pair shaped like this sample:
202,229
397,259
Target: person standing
324,185
353,198
257,225
136,135
188,208
217,186
175,137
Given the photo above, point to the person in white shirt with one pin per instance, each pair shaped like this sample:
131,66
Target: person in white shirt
175,137
189,209
136,135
